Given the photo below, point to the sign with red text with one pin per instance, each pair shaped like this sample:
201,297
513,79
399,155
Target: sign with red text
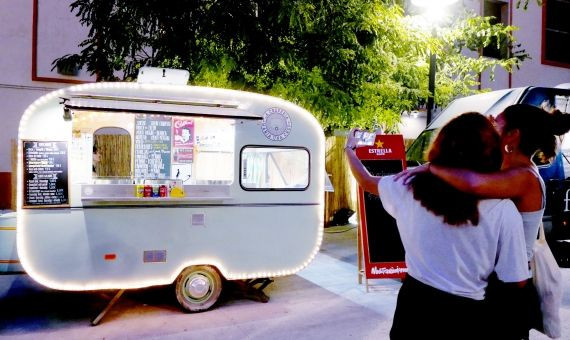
183,132
383,252
183,140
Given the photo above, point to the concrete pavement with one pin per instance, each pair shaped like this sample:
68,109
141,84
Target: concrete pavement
324,301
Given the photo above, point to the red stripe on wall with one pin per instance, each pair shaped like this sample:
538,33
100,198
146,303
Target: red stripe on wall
5,190
9,261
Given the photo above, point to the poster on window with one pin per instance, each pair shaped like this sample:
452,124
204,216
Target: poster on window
182,172
183,156
183,132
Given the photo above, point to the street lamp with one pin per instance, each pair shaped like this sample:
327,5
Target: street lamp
434,11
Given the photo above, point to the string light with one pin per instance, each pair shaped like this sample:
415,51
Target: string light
248,101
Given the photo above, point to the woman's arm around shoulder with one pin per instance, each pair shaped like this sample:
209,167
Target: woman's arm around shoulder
510,183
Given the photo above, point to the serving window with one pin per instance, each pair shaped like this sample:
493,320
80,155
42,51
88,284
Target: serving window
274,168
128,148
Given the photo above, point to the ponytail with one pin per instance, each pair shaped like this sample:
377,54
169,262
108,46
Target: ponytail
559,122
537,128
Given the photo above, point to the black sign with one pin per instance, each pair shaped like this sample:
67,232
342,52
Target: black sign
384,243
45,174
558,206
152,146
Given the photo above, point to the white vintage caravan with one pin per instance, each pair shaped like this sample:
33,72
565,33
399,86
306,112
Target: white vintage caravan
128,185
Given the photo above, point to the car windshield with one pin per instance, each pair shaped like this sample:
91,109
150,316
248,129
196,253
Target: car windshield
417,151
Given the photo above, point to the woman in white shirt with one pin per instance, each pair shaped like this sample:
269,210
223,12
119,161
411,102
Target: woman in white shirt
453,240
525,130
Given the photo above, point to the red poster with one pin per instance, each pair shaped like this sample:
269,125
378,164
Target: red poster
182,132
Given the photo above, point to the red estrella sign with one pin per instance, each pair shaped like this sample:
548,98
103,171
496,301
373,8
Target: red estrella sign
386,147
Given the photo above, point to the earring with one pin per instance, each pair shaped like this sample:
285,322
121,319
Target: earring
508,148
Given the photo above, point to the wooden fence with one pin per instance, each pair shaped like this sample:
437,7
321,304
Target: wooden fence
344,195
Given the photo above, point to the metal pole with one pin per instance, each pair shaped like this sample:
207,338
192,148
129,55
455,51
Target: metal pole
431,87
111,303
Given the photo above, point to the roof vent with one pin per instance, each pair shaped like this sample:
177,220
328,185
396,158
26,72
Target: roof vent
167,76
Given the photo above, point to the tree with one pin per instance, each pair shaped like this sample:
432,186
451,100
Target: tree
349,62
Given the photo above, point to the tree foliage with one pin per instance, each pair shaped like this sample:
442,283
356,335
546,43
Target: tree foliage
349,62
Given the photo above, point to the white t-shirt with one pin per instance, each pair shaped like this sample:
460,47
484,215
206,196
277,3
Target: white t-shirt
457,259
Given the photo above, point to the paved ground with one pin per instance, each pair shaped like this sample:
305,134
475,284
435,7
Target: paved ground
323,301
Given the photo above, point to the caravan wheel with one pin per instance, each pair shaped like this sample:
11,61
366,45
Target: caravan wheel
198,288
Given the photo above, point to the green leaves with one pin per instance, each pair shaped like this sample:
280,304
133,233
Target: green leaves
349,62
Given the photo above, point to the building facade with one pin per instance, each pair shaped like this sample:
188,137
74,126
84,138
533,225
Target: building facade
33,33
543,32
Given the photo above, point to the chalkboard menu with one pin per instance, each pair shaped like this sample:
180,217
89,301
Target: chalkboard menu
45,174
384,243
152,146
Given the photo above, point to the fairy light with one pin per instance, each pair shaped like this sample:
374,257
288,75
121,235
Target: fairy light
183,92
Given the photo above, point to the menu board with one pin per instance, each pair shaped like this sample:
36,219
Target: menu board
152,146
382,249
384,243
45,174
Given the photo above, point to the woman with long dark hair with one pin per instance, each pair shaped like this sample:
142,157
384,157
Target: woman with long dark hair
453,240
525,130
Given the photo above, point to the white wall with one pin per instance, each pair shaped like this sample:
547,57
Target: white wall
59,33
529,33
532,71
411,126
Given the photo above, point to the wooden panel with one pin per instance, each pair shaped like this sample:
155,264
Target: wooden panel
341,178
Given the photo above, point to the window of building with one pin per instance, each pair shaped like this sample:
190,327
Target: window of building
556,33
274,168
499,11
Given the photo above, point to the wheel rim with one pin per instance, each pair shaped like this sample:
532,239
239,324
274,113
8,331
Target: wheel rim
198,287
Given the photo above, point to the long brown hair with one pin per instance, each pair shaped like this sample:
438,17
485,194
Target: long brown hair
537,128
470,142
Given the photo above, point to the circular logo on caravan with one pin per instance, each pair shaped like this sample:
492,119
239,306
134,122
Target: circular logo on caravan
276,124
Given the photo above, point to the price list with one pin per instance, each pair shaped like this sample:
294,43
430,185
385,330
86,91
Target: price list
152,146
45,174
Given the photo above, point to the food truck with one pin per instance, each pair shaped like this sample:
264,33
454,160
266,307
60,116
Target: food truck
555,173
127,185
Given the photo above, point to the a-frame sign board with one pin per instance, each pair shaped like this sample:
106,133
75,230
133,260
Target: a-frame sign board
379,242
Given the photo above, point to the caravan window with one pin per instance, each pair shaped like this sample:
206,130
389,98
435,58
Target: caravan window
274,168
127,148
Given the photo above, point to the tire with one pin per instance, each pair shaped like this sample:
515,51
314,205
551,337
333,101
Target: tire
198,288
